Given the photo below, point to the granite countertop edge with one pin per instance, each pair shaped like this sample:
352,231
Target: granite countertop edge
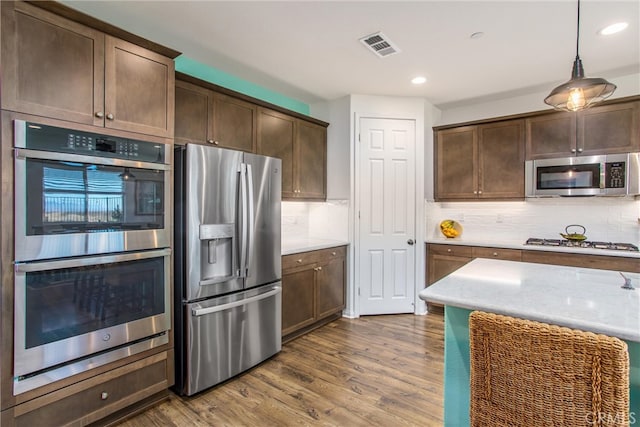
295,246
519,244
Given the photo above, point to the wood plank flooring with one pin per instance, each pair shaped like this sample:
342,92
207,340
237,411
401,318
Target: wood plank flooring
371,371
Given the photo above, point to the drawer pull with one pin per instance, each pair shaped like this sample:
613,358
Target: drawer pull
449,250
318,269
104,395
299,261
495,254
333,253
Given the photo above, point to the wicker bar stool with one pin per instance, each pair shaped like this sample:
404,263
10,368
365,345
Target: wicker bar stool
526,373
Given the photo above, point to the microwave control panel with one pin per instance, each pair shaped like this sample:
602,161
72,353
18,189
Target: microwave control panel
615,174
56,139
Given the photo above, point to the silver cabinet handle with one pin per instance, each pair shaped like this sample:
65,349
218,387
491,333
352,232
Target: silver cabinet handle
99,114
109,116
222,307
573,150
449,250
479,191
104,395
410,242
317,269
495,254
580,150
333,253
475,192
299,261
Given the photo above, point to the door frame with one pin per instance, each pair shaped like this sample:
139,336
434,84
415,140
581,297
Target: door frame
420,306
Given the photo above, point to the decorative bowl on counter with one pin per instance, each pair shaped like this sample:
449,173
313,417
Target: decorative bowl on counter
450,228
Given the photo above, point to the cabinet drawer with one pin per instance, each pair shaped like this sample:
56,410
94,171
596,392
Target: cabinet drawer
88,401
451,250
585,261
311,257
497,253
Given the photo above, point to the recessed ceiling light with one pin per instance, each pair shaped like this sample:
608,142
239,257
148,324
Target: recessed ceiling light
613,28
418,80
476,35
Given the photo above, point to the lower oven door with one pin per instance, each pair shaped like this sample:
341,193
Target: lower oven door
230,334
69,309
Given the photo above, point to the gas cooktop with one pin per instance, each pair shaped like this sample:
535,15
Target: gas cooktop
584,244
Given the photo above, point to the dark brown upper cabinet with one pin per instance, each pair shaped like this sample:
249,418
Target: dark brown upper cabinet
302,146
58,68
605,129
207,117
482,162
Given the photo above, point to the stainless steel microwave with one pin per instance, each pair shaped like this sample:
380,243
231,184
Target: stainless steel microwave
604,175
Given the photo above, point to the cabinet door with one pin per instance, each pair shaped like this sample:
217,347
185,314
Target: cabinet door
193,112
501,160
330,282
298,298
609,129
311,161
276,135
456,154
551,135
234,123
139,89
440,266
51,66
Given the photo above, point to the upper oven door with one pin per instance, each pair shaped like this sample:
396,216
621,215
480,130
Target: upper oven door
77,204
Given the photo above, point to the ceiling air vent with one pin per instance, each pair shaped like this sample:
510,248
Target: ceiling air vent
380,44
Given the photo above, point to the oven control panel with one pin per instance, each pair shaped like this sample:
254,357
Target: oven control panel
56,139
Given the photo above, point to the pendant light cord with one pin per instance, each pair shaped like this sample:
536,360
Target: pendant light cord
578,32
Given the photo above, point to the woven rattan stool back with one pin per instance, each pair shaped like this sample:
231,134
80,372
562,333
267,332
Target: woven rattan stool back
526,374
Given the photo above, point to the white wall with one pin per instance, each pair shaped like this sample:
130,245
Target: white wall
626,86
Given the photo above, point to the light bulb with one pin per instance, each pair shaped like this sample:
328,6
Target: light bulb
576,99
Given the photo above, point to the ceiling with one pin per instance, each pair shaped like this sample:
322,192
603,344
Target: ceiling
310,50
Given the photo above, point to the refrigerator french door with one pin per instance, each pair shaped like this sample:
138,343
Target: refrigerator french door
227,263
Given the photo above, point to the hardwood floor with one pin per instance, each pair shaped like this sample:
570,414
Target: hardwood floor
371,371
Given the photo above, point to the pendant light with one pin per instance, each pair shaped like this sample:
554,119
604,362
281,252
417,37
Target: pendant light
579,92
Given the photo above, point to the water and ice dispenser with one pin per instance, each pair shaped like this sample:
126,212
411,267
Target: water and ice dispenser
216,249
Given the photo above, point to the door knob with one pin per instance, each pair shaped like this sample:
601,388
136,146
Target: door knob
411,242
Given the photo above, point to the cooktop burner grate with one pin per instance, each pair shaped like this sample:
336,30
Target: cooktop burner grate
584,244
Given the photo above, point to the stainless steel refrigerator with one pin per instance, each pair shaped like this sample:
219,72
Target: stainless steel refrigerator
227,265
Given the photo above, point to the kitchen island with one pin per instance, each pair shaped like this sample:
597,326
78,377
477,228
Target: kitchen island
579,298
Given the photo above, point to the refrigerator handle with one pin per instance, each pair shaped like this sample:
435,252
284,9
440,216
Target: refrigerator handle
215,309
251,218
243,221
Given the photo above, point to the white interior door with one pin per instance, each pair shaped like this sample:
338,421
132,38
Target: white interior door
386,249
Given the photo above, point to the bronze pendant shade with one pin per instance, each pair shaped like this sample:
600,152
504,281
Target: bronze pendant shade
579,92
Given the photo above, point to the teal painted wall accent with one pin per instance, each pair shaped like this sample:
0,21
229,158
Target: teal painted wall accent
456,367
194,68
457,370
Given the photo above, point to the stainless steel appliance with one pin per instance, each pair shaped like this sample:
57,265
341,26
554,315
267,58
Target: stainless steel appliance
227,264
535,241
605,175
80,193
92,258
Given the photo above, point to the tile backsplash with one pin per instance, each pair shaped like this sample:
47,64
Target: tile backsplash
316,220
611,219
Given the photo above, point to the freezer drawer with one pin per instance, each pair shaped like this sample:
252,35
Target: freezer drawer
231,334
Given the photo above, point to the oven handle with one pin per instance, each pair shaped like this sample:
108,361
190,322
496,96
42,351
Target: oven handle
24,267
202,311
24,153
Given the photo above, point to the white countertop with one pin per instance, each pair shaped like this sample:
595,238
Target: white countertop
519,244
294,246
579,298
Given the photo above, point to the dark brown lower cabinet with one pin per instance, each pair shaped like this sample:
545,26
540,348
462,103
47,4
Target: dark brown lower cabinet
98,399
313,289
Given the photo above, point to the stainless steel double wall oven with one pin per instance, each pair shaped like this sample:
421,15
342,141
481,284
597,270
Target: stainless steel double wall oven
92,257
